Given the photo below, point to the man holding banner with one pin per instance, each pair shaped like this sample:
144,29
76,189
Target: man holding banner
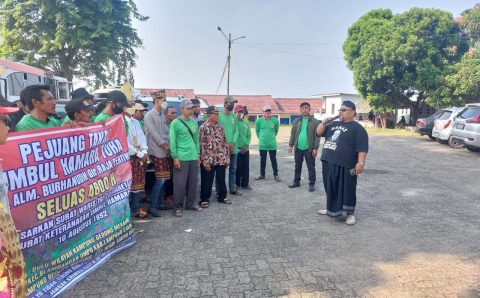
12,265
68,195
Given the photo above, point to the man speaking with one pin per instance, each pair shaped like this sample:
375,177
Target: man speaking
343,159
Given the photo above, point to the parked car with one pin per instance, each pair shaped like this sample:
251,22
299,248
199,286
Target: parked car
467,127
442,127
425,125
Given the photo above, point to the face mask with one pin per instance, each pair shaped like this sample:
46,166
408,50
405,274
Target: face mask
164,105
230,107
117,110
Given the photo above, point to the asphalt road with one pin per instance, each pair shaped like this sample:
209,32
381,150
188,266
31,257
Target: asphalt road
417,235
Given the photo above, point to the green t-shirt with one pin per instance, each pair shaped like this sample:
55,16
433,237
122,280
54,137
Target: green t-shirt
142,125
182,146
103,116
28,122
230,126
267,131
302,142
244,134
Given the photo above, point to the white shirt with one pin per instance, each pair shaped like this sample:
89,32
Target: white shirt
137,142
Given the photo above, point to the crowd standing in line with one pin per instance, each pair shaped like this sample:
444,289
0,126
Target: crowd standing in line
181,147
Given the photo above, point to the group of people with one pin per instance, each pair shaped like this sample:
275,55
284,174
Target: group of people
178,146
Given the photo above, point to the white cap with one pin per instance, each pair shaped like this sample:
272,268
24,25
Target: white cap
266,108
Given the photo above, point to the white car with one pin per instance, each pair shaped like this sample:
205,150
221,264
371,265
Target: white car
442,128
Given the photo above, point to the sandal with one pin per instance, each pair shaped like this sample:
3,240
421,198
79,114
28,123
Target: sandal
226,201
178,213
195,208
276,178
260,178
204,205
236,192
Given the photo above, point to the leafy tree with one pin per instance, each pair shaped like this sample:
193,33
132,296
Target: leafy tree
401,60
92,40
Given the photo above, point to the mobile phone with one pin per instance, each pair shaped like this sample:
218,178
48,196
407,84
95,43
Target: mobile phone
352,172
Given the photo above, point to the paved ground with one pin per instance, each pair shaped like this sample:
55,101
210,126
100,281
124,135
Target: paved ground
417,235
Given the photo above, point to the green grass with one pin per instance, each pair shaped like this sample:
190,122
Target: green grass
391,132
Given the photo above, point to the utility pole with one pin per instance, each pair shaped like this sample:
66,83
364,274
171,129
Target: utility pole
230,41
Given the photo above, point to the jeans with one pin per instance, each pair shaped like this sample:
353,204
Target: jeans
206,183
156,198
273,160
243,169
135,201
309,160
232,172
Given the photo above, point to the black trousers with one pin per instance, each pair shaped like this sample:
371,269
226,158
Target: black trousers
243,169
169,187
341,189
206,183
273,160
309,160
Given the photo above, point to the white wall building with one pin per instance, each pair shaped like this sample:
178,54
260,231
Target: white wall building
333,101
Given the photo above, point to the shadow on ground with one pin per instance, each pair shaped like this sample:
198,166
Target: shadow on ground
417,236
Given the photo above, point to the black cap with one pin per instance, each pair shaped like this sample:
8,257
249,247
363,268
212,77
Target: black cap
76,105
81,93
145,105
350,105
118,96
212,110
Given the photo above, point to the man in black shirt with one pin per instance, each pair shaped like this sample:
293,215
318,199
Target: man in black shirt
343,159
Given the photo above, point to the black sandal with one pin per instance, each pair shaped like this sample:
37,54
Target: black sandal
236,193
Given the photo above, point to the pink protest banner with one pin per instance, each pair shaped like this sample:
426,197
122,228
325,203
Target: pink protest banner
68,191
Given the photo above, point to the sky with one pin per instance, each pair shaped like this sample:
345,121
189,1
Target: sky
291,49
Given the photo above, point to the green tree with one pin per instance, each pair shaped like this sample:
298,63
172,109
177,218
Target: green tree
92,40
464,77
405,56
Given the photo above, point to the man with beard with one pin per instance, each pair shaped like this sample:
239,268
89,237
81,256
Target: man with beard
41,104
343,159
197,114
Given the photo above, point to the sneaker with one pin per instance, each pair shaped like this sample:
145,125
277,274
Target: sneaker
260,178
142,214
294,185
350,220
155,212
322,211
311,188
